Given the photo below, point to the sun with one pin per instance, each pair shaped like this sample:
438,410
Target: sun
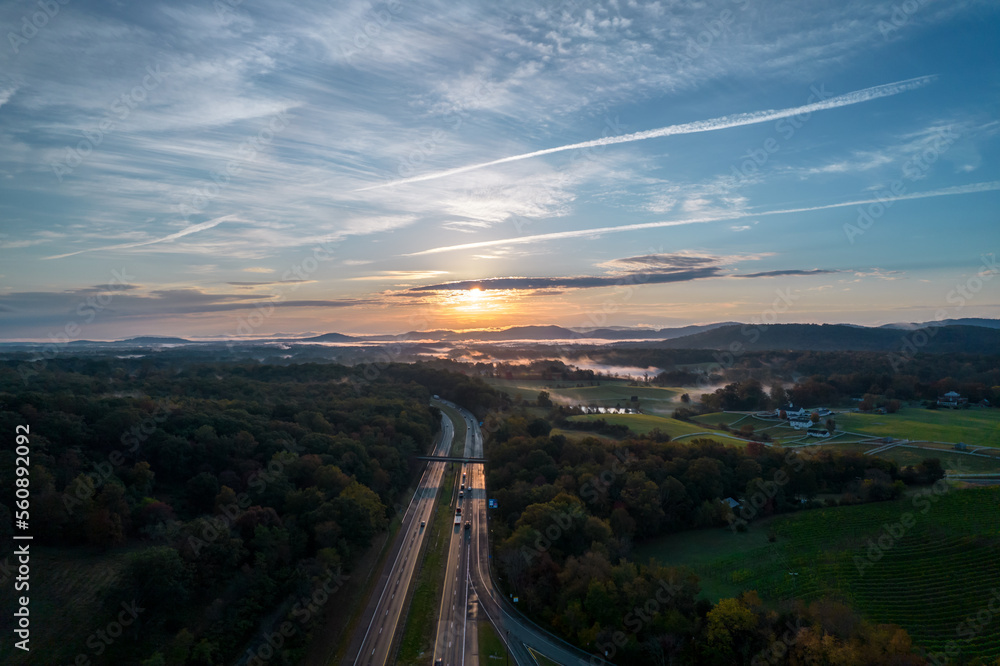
475,295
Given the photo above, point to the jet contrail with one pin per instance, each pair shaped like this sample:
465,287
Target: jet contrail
194,228
989,186
723,122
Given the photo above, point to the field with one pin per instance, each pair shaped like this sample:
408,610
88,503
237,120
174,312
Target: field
927,578
652,399
66,593
645,423
458,441
975,427
779,433
954,463
491,648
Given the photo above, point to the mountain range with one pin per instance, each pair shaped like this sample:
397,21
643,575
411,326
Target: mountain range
968,334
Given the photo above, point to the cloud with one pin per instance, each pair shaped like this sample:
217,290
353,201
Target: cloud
193,229
576,282
660,268
711,125
41,307
782,273
261,284
400,275
675,261
971,188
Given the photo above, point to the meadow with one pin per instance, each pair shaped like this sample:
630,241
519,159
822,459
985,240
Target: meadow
607,393
975,426
926,562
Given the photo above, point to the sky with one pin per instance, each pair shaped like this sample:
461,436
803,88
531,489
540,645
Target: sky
246,169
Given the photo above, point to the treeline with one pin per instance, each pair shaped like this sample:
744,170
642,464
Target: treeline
239,493
874,391
571,510
852,373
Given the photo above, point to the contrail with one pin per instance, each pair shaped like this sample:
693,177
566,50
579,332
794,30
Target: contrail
194,228
972,188
723,122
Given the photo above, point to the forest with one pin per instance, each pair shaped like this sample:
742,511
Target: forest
236,495
572,510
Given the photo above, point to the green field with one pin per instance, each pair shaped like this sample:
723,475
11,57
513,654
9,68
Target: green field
658,400
67,591
491,648
458,441
975,427
939,572
646,423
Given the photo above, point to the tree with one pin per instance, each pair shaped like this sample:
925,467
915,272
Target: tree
543,399
685,398
201,492
729,625
155,577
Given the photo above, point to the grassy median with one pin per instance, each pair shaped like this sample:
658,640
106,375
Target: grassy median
421,616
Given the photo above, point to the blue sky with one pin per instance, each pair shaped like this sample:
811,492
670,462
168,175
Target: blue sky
247,168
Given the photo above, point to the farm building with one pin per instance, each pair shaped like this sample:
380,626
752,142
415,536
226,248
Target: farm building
952,400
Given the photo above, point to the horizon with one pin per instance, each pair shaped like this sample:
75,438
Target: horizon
234,171
360,336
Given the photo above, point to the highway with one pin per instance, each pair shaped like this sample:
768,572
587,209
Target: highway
455,643
381,618
468,595
516,631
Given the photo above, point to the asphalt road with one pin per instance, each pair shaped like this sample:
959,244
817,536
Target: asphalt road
455,643
381,620
516,631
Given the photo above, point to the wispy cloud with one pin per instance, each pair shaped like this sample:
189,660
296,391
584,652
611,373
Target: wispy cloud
598,231
711,125
193,229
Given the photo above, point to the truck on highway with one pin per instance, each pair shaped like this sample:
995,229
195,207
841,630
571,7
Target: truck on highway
458,516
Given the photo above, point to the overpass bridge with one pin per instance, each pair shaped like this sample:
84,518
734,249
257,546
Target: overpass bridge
450,459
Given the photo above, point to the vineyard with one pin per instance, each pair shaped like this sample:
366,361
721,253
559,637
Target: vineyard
928,564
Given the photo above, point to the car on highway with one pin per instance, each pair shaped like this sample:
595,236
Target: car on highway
423,523
468,525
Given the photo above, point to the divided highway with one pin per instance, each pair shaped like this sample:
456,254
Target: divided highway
383,614
468,595
456,642
516,631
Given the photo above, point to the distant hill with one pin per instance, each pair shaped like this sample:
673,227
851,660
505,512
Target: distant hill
649,333
835,337
155,340
326,337
525,333
966,321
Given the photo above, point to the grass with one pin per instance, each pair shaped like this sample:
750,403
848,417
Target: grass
655,399
644,423
975,427
954,463
421,616
491,648
67,588
938,572
458,443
